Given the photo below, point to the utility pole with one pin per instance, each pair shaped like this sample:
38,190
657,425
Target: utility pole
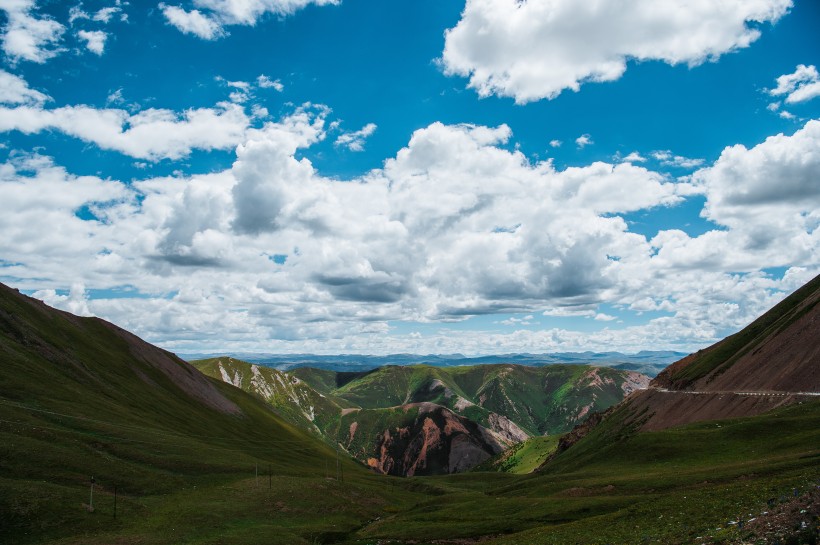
256,473
270,484
91,497
115,502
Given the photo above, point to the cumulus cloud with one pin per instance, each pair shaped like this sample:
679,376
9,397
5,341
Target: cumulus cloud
766,199
209,18
801,85
94,40
264,82
28,35
354,141
535,49
583,141
668,159
634,157
15,90
192,22
275,256
104,15
780,173
151,134
76,302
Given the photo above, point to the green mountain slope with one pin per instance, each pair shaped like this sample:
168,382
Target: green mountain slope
80,397
538,400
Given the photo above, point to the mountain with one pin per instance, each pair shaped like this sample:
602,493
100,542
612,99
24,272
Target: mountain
419,419
645,362
82,398
771,363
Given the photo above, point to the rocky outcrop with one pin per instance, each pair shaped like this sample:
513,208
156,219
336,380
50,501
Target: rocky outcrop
436,441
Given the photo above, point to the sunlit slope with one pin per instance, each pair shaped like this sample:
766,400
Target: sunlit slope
539,400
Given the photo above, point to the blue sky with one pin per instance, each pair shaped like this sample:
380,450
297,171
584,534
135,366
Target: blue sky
427,176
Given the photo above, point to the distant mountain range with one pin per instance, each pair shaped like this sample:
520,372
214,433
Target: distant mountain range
647,362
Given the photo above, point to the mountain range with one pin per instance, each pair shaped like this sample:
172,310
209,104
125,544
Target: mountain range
421,420
647,362
105,439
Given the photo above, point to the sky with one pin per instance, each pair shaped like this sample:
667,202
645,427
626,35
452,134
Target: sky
425,176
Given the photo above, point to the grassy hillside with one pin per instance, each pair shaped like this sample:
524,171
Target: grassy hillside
670,487
523,458
540,400
81,398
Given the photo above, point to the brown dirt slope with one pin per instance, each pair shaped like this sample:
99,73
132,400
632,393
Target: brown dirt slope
775,361
768,364
780,351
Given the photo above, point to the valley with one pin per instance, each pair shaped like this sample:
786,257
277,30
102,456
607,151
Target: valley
421,420
181,457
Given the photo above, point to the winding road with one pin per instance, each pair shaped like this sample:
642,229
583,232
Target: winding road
765,393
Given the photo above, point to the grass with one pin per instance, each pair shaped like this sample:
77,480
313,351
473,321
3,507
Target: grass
524,457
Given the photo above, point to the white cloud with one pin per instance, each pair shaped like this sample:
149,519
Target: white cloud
75,302
354,141
787,115
151,134
555,143
209,17
537,49
264,82
104,15
76,13
28,36
583,141
778,175
455,224
193,22
668,159
15,90
801,85
94,40
634,157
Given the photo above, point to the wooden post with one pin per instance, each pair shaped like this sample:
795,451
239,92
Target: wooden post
91,497
115,502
